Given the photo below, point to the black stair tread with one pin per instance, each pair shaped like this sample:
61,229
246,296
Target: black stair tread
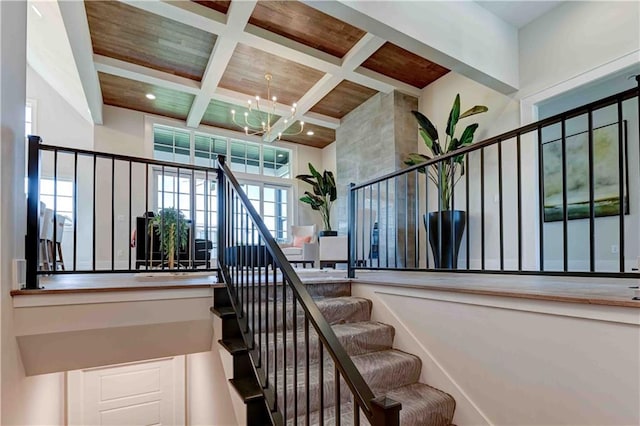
233,346
223,312
248,389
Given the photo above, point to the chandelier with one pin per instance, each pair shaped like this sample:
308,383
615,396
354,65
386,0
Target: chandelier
258,118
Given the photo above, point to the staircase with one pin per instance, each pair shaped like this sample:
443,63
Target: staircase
308,374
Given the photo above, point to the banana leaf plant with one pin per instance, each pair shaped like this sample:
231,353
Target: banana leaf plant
324,193
172,228
445,174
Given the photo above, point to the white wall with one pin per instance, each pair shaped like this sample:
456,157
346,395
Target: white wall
19,394
510,361
58,123
576,37
503,115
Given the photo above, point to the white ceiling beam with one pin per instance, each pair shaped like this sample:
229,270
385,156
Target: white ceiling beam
237,18
359,53
146,75
188,13
407,89
75,21
319,90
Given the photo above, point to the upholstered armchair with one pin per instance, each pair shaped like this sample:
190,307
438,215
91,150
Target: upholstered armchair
303,247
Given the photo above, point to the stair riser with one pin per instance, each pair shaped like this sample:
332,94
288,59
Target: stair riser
357,311
364,342
262,292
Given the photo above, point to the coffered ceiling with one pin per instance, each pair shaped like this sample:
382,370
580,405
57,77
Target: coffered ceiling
203,58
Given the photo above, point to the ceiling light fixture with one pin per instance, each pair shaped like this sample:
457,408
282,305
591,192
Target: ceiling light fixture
310,133
258,119
150,96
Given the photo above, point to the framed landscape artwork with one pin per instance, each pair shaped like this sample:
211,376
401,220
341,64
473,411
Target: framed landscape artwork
606,174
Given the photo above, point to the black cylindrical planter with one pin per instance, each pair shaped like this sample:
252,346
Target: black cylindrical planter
328,233
455,221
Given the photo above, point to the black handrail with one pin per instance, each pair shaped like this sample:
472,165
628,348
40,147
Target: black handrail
375,409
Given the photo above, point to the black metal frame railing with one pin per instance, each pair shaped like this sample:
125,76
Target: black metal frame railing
120,172
396,201
271,301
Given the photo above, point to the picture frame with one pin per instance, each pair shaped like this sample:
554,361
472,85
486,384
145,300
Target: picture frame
606,174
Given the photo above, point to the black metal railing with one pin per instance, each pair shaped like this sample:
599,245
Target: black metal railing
300,363
559,196
106,213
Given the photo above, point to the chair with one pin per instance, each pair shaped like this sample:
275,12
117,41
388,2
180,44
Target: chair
46,235
57,255
303,247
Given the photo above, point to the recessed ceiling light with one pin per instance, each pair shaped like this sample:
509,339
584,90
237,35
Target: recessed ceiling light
310,133
35,9
280,155
150,96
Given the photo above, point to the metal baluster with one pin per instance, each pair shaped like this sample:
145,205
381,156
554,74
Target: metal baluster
592,210
440,206
336,374
295,358
378,216
395,222
321,381
386,232
416,249
162,222
177,250
466,196
500,205
93,261
75,213
275,338
266,312
306,371
370,260
284,346
406,221
452,214
426,214
541,198
130,209
147,252
482,260
519,189
621,174
55,210
565,212
260,262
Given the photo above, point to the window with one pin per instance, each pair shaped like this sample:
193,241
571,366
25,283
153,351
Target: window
63,196
190,147
29,118
271,200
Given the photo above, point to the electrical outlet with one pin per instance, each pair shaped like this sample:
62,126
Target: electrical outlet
120,253
120,218
614,248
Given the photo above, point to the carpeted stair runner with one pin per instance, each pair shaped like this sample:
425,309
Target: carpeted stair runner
387,371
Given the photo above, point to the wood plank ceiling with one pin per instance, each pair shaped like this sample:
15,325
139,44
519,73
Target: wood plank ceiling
175,51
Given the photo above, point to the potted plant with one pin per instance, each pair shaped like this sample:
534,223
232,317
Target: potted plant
323,196
171,227
445,175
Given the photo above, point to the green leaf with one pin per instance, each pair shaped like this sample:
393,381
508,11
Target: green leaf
428,127
415,158
478,109
433,146
331,185
453,145
307,179
467,135
454,116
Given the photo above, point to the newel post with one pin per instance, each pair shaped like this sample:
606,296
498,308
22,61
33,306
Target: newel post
33,207
351,233
222,215
386,412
